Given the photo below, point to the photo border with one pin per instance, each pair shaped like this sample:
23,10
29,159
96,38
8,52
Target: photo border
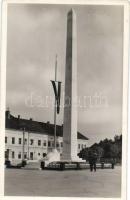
125,4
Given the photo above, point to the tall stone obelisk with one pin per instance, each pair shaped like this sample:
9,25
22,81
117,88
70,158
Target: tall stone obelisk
70,106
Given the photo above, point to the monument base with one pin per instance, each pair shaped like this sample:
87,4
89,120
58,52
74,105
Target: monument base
70,158
66,165
54,161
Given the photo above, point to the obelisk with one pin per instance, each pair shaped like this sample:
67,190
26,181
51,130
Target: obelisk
70,106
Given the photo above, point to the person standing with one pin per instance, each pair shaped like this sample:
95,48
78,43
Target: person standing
92,161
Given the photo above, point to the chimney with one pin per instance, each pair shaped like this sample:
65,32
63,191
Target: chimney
47,125
31,119
18,116
8,114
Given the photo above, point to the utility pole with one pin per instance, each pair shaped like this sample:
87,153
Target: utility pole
28,145
55,106
23,144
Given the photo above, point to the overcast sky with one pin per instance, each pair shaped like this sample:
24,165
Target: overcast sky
36,33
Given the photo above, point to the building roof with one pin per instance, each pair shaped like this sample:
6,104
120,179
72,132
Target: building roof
30,125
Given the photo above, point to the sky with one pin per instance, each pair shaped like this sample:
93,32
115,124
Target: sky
35,34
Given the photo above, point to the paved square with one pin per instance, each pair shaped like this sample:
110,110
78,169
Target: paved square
71,183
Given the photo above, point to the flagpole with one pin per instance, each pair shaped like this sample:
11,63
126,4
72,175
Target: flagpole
55,106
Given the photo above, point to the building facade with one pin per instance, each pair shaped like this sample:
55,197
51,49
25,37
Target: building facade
32,140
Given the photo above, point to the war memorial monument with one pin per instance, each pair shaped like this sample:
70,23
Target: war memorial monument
69,155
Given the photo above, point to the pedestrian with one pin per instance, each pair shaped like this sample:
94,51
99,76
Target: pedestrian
92,161
112,163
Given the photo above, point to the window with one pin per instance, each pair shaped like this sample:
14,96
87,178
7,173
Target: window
49,143
44,144
25,141
79,146
20,141
31,141
5,139
39,142
19,155
44,154
13,154
13,140
6,154
57,144
25,155
38,154
61,144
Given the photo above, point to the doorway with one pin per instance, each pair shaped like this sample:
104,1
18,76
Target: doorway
31,155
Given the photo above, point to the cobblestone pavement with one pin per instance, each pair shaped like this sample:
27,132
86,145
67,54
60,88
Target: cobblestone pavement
71,183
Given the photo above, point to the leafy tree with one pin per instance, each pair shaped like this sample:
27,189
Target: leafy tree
106,149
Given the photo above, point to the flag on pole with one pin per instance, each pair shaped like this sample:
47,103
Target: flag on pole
57,91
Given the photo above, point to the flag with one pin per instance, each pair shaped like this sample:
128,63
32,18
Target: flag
57,91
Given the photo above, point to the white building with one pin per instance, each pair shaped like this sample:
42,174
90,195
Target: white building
37,136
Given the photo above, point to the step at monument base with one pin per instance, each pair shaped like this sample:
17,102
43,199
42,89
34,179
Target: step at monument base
67,165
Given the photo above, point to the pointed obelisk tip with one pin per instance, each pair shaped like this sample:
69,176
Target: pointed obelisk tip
71,11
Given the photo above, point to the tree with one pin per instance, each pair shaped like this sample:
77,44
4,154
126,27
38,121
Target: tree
106,149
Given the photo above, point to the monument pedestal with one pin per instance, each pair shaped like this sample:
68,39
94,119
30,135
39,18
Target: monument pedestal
68,158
